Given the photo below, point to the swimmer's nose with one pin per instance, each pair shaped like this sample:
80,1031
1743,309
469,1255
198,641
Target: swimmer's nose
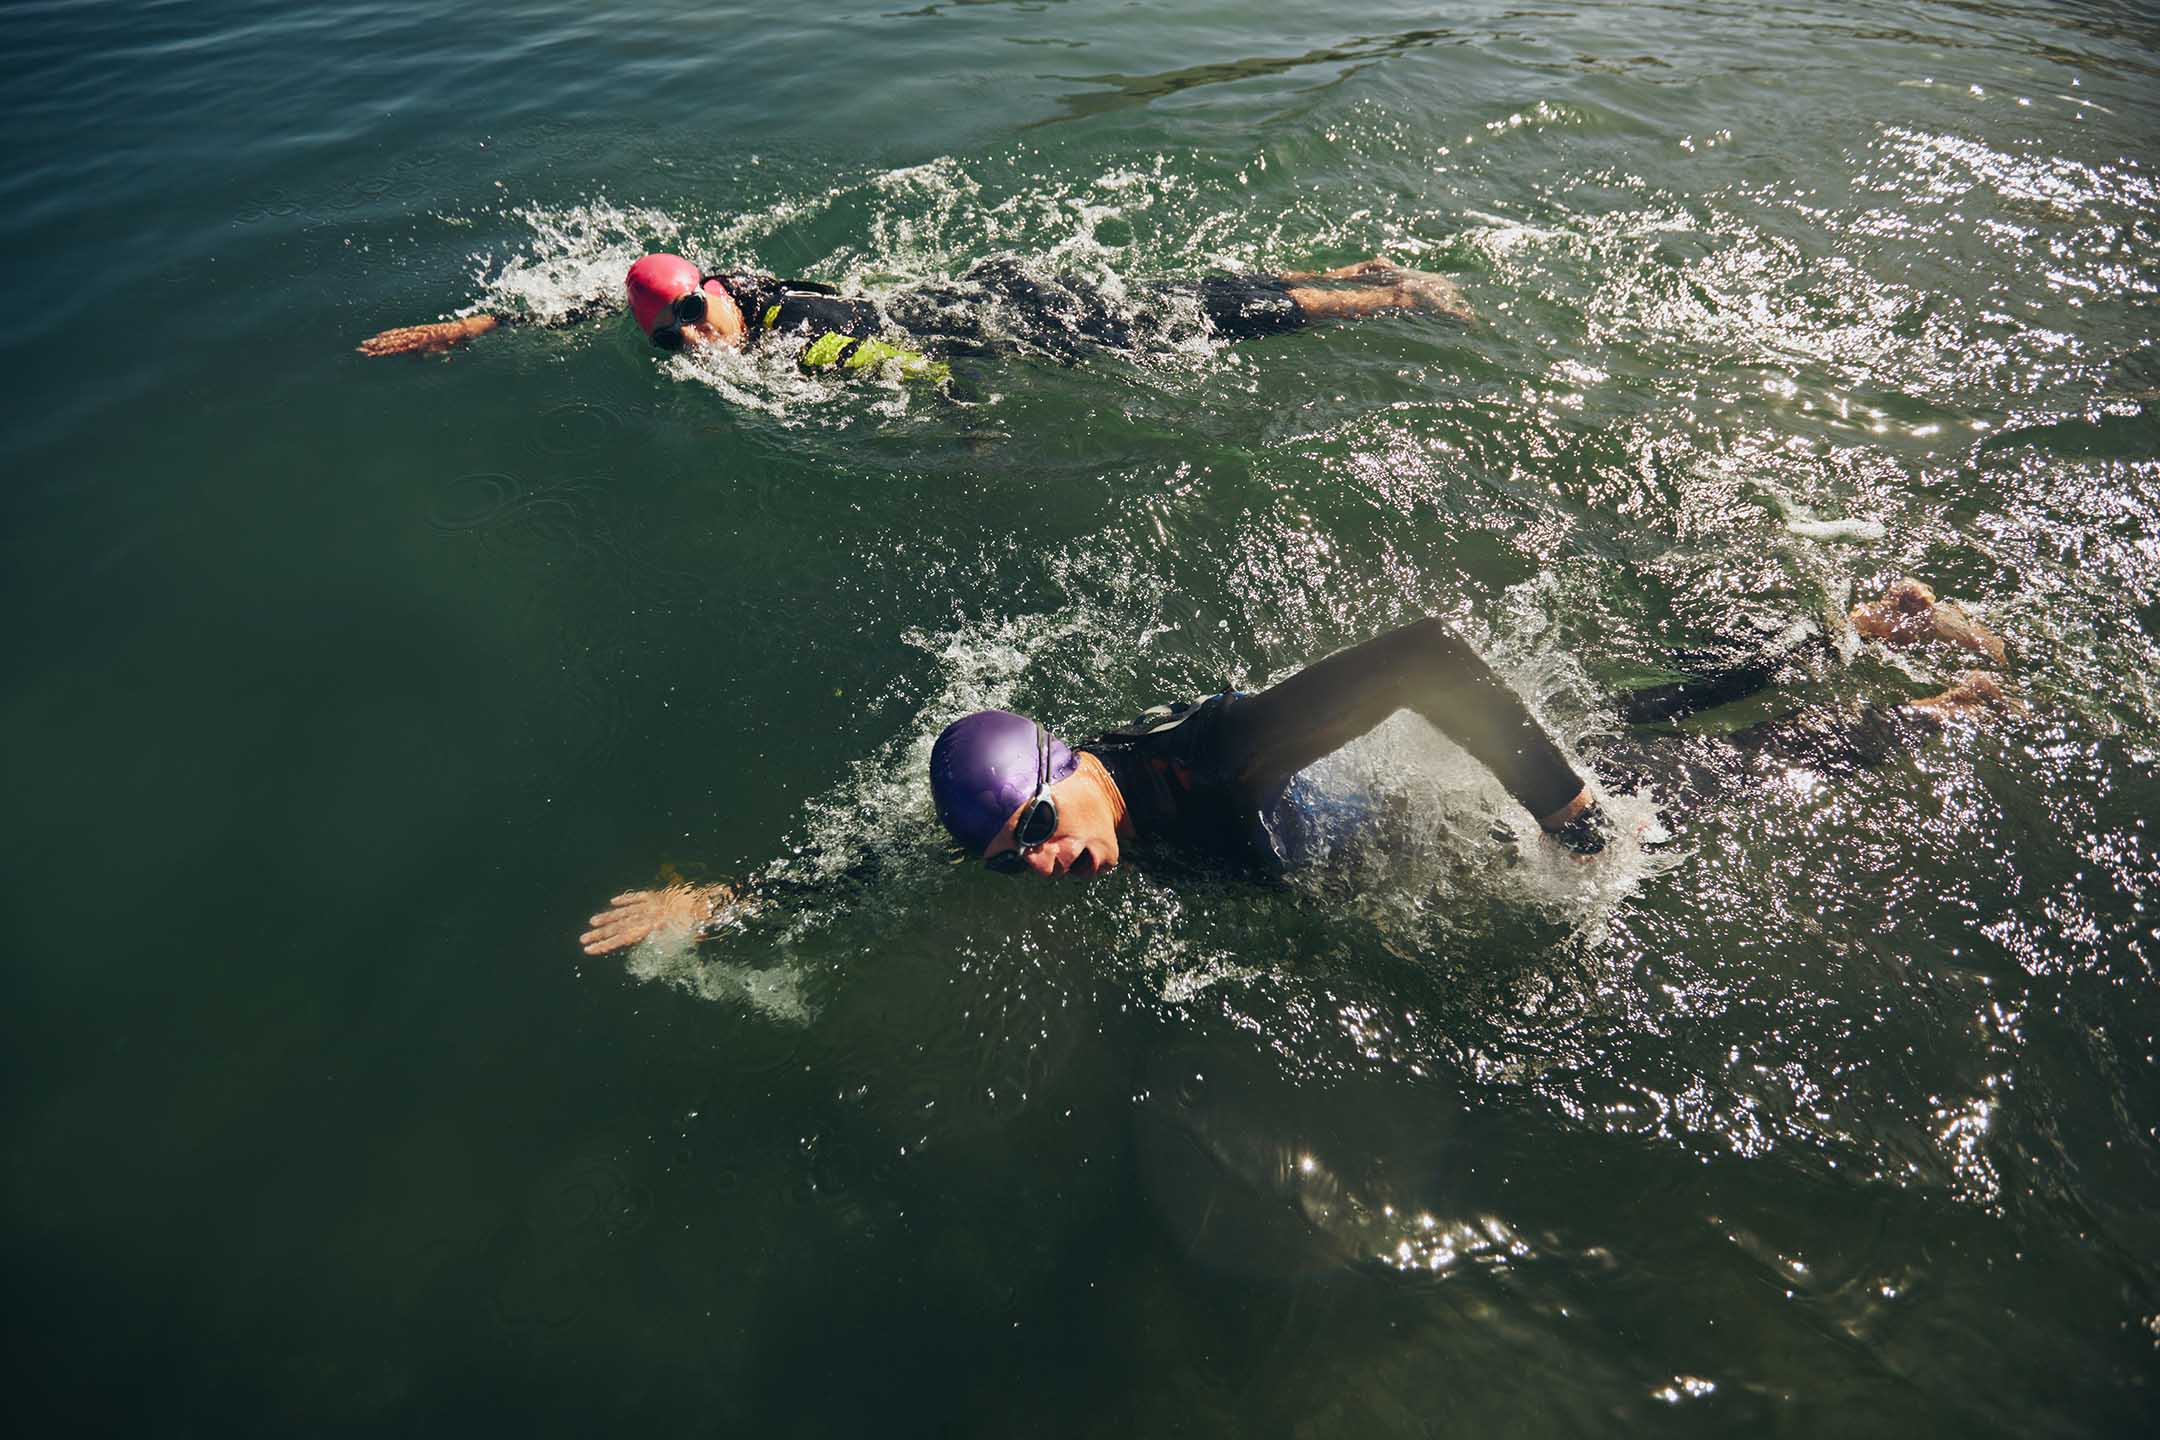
1040,862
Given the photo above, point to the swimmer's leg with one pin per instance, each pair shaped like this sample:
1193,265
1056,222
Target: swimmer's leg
1722,685
1387,287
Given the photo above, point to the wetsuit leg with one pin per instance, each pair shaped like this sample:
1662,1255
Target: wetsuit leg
1716,685
1053,314
1690,770
1245,307
1836,744
1425,667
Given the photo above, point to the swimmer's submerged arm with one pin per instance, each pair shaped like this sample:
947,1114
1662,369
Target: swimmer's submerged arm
698,913
1425,667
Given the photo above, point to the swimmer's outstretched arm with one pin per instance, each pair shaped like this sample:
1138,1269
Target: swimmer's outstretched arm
1970,691
1425,667
429,339
698,913
440,335
1908,614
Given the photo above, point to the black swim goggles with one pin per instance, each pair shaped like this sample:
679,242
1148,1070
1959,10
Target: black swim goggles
1038,818
685,310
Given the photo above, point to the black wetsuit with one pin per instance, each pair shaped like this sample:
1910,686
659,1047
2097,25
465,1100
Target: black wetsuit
1205,776
1000,300
799,307
1691,769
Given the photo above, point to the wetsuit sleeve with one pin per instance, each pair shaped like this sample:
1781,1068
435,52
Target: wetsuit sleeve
1425,667
778,887
577,314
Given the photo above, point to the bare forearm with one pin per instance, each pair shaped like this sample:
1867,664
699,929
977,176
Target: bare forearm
429,339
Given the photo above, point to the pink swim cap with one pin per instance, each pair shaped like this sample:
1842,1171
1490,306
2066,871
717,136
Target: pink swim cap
654,282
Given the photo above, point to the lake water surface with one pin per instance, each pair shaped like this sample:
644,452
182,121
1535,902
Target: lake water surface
340,691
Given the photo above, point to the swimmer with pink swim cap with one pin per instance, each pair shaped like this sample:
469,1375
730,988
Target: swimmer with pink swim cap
680,306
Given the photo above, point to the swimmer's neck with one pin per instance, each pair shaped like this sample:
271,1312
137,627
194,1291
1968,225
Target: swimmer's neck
1094,775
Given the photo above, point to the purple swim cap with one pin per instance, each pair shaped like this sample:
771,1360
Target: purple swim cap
983,768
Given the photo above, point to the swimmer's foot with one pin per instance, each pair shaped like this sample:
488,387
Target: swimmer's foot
1909,613
1974,689
1433,294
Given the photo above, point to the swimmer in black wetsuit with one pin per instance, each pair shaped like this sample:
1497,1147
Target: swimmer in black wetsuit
1207,779
1203,779
680,306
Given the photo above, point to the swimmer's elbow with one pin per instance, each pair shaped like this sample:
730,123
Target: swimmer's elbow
1437,637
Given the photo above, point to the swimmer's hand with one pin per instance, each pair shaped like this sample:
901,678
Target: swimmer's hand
428,339
635,914
1580,825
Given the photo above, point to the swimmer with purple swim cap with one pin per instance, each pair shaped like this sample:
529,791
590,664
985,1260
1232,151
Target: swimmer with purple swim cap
1197,778
1200,778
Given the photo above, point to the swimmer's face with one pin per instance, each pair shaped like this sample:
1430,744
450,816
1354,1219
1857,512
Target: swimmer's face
686,328
1085,841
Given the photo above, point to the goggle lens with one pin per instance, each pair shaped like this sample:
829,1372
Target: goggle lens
687,309
1037,823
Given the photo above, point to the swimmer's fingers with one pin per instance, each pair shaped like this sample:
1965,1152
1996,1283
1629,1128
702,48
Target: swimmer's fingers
632,918
406,340
635,914
1379,266
614,937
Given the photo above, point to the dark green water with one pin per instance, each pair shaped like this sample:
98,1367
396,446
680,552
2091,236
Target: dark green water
340,691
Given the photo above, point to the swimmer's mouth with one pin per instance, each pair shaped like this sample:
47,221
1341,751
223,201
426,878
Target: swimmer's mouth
1083,864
